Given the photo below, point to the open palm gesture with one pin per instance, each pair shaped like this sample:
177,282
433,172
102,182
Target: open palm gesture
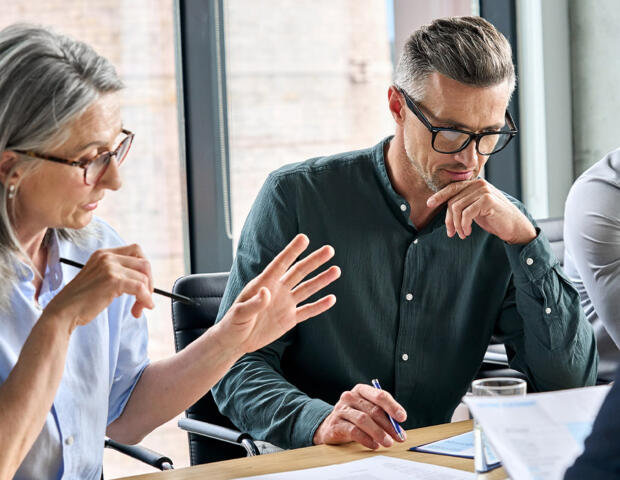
268,306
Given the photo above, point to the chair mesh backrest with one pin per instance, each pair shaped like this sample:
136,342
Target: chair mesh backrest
553,228
189,322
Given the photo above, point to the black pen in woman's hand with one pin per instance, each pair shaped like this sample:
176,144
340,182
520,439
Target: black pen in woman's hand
174,296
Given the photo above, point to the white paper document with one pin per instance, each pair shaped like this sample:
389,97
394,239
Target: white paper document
378,467
540,435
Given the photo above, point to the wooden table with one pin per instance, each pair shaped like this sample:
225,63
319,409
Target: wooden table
322,455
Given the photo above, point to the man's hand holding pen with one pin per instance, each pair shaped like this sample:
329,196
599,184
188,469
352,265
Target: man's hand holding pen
361,415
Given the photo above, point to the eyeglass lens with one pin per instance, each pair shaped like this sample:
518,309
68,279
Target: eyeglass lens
450,141
99,165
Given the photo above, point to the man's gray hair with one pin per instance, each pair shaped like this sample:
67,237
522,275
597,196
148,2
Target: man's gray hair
467,49
47,80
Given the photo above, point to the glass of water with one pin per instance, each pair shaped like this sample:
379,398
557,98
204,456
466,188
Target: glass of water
491,387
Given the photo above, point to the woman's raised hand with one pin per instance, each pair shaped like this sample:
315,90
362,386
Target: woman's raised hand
108,274
268,306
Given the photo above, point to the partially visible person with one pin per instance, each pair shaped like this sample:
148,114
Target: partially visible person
436,260
73,343
600,459
592,253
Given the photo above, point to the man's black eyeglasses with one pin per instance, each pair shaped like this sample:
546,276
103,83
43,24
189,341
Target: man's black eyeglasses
93,169
453,140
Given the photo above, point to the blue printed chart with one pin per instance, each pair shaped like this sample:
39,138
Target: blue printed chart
458,446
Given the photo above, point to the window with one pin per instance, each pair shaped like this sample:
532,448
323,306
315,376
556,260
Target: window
309,79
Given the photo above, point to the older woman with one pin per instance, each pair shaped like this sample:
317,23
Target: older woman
73,362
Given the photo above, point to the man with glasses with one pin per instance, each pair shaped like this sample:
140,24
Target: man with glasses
435,261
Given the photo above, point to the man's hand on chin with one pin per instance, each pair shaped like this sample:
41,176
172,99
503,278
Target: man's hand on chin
479,201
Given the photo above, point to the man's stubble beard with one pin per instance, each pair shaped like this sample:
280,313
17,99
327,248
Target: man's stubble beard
431,181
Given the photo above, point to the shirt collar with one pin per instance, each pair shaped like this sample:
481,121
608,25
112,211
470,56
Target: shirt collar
52,244
398,204
25,272
53,259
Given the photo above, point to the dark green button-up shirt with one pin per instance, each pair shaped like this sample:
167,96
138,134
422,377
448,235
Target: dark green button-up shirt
416,309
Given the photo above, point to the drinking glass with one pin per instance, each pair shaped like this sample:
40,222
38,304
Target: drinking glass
491,387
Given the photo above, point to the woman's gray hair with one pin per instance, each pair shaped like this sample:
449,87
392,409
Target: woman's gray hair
467,49
47,80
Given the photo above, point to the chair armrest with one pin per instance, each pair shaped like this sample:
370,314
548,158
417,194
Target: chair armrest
496,355
220,433
143,454
496,358
495,364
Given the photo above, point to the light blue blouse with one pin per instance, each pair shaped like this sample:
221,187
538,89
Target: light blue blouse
104,362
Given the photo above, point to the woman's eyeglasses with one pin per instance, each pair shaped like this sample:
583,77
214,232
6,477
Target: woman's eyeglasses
93,169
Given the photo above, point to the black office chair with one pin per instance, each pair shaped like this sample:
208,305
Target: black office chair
495,363
212,436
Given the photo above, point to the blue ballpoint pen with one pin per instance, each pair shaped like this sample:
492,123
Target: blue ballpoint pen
397,429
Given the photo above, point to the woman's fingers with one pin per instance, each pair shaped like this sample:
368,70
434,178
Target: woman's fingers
304,267
137,309
133,250
121,270
136,283
132,282
315,308
279,279
310,287
139,265
132,256
282,262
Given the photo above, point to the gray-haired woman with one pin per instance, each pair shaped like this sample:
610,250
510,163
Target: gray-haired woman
73,362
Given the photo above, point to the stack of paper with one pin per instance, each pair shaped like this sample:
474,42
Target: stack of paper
378,467
540,435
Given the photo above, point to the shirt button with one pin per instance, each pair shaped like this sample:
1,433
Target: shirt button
547,310
69,440
415,241
403,207
405,357
529,261
409,297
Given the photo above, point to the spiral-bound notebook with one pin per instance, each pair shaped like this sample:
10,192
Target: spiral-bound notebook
458,446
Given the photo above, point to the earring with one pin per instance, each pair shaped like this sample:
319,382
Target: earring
12,191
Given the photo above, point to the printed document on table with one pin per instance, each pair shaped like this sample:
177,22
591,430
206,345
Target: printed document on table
378,467
540,435
457,446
